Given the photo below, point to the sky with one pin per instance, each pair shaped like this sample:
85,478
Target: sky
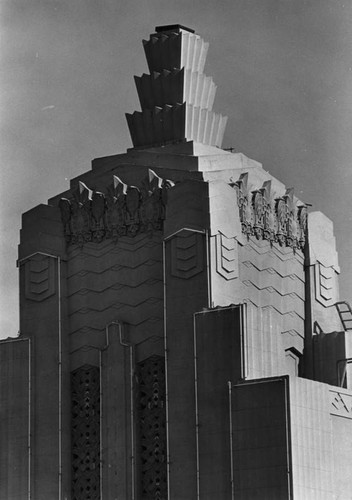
283,70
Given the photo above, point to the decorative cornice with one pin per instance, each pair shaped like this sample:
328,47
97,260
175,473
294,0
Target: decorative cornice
277,220
124,211
176,97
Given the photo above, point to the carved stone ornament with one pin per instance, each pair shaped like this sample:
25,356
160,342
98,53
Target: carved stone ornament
116,209
277,220
81,209
281,216
244,204
302,224
124,210
258,209
85,438
269,220
151,428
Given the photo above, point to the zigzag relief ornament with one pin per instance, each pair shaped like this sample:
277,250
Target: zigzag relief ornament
123,211
276,220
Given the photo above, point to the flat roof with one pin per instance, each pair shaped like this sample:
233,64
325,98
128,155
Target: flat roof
170,27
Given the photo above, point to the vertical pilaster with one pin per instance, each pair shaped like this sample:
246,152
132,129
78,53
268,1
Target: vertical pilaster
43,320
16,422
322,291
219,358
186,292
116,444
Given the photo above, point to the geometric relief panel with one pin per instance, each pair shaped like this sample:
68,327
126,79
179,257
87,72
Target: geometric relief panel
325,284
226,257
85,433
151,426
187,257
341,404
39,277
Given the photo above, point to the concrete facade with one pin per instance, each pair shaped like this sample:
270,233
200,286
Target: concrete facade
180,337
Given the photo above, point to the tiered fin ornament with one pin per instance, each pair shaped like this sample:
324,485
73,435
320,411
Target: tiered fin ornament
176,97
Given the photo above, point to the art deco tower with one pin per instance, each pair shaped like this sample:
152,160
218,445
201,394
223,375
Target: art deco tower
181,331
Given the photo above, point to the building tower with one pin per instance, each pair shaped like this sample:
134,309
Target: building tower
181,331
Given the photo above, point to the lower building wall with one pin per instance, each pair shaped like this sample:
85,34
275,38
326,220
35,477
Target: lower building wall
341,418
333,358
219,358
291,438
342,440
285,438
311,440
14,419
328,350
260,440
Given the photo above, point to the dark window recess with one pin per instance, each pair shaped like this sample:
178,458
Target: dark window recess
85,394
151,426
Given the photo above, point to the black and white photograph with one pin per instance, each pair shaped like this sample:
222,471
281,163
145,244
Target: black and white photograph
176,263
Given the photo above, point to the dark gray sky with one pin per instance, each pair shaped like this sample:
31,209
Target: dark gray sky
284,75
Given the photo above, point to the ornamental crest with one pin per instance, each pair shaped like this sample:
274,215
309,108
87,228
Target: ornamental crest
277,220
123,211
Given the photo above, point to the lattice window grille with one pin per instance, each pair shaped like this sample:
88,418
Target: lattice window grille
151,413
85,397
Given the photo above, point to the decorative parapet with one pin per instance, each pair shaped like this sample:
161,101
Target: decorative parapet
277,220
176,97
124,211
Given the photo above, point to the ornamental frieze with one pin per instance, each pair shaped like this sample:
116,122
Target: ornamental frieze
276,219
123,211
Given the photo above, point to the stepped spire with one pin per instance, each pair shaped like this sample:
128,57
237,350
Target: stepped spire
176,97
